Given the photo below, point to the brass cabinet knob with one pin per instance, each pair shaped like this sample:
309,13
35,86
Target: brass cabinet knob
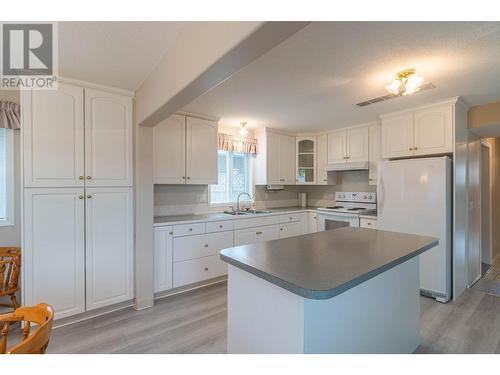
206,268
80,177
190,229
258,232
89,196
206,245
415,148
189,178
281,229
183,177
410,149
89,177
81,197
220,226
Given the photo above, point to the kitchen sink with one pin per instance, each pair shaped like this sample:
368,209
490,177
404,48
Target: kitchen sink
250,212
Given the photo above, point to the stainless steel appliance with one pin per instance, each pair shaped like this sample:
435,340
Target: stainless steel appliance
345,213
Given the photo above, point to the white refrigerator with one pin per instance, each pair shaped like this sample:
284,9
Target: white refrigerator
414,196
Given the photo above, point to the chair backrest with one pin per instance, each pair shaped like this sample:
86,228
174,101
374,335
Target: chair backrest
35,343
10,270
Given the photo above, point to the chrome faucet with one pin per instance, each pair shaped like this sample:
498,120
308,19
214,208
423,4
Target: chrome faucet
238,200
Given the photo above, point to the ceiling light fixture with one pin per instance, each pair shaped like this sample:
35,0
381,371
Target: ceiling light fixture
243,130
405,83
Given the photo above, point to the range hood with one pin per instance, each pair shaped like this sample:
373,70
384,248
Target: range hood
351,166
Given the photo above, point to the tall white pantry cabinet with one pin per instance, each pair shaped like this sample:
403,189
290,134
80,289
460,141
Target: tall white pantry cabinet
78,199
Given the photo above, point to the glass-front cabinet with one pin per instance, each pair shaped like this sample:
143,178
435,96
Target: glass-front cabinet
306,160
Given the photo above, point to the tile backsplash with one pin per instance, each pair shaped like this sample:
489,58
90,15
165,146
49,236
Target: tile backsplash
193,199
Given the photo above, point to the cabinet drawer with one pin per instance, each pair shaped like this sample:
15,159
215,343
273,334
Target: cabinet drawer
188,229
220,226
195,270
256,222
368,223
290,217
202,245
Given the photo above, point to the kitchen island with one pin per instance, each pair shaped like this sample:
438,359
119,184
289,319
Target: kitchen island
348,290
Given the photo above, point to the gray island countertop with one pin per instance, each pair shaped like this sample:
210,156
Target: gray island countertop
324,264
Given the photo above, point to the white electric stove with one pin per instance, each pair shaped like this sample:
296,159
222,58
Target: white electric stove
348,207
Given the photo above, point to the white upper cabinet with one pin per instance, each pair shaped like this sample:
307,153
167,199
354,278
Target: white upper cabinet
185,151
397,136
201,151
375,153
357,145
348,145
428,131
337,147
287,159
322,160
108,139
433,130
54,249
306,160
169,138
109,246
275,161
53,132
64,148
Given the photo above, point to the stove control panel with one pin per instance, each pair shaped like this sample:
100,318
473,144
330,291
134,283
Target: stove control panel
360,197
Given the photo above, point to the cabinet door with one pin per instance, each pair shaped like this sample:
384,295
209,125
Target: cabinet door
290,229
306,160
397,136
433,130
268,233
201,151
54,253
322,153
375,154
245,236
108,139
287,159
163,259
109,246
357,145
337,147
312,222
53,137
169,151
274,159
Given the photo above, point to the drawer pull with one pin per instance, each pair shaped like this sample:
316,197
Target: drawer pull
206,268
190,229
281,229
170,233
370,224
291,218
258,232
221,226
206,245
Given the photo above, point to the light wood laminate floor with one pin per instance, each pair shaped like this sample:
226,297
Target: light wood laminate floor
195,322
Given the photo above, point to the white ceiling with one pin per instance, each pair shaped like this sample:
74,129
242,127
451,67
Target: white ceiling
313,80
119,54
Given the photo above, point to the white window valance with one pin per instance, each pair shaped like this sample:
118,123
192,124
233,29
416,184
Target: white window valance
10,115
228,142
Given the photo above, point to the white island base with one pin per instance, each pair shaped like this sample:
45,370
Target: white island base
380,315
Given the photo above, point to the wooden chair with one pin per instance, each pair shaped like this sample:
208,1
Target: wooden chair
36,343
10,270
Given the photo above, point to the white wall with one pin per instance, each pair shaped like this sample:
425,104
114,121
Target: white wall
194,199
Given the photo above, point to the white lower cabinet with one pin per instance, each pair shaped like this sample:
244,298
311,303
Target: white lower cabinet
163,259
196,270
192,247
189,253
54,249
312,222
109,246
78,248
368,223
290,229
257,234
